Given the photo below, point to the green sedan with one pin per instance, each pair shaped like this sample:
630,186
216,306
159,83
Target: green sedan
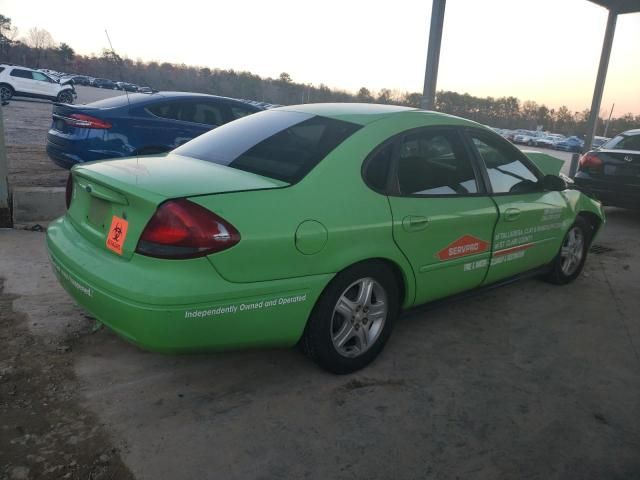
313,225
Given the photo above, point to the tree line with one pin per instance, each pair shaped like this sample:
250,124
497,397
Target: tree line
38,49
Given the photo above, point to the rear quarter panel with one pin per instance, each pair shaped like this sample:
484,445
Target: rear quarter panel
357,220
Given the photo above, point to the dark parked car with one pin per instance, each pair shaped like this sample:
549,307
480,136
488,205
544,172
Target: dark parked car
612,172
142,124
571,144
81,80
129,87
104,83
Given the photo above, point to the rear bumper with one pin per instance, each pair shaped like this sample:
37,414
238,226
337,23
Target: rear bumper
609,193
179,306
64,153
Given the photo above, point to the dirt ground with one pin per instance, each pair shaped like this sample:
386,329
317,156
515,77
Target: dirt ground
528,381
45,433
26,122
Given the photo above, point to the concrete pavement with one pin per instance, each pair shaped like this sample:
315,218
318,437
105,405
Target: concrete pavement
528,381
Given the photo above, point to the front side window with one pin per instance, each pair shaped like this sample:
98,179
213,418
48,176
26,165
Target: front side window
434,163
277,144
41,77
507,172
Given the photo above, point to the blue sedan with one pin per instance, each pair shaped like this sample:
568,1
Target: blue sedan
571,144
140,124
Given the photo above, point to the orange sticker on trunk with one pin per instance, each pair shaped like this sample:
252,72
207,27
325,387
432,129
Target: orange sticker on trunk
117,234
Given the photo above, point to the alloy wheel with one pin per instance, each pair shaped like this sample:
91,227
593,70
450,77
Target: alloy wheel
572,251
359,317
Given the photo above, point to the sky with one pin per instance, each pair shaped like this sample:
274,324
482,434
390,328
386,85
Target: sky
542,50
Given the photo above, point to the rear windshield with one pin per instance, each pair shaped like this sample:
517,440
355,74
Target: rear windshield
277,144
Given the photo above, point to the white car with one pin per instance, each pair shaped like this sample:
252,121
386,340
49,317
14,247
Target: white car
26,82
526,138
548,140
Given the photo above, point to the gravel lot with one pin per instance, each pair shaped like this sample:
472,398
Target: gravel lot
26,122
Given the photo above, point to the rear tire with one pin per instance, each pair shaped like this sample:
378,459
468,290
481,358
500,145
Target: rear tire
353,318
569,262
6,92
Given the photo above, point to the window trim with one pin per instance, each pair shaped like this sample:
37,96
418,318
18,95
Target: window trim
392,189
469,131
224,107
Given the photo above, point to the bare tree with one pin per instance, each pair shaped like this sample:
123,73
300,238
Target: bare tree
40,40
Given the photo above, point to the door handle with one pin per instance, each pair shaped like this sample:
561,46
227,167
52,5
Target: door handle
413,223
511,214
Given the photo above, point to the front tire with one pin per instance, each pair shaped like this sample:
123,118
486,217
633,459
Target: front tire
570,260
353,318
65,97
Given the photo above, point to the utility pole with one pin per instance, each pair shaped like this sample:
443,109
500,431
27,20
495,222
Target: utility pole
5,212
601,77
433,55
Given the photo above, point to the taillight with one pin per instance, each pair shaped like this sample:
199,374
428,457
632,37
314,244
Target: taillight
86,121
590,161
68,193
183,229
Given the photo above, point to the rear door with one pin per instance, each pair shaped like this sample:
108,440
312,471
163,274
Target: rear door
443,218
531,221
22,81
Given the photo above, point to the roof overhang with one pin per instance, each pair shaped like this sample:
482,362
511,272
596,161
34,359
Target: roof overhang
619,6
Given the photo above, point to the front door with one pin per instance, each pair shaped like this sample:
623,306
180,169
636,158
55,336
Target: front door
531,221
443,219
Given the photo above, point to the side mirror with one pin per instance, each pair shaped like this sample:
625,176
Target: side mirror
553,183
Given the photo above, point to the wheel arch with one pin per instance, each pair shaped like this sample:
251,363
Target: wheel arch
594,221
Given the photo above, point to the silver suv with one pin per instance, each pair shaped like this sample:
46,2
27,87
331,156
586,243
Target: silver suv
26,82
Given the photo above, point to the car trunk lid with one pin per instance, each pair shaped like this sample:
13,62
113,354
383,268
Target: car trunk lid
623,165
113,201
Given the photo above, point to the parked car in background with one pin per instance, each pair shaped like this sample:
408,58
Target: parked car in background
26,82
570,144
612,172
104,83
129,87
527,138
81,80
145,90
137,124
599,141
548,141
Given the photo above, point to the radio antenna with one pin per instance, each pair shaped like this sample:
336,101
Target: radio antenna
117,60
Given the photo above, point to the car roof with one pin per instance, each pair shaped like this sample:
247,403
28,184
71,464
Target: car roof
366,113
634,131
145,98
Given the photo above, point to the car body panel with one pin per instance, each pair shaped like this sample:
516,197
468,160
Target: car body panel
294,239
548,164
134,130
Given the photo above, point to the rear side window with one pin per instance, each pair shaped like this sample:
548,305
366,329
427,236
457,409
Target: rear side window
623,142
17,72
239,111
276,144
434,163
207,113
376,172
1,69
507,172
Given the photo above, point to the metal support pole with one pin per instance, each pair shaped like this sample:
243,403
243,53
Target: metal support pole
5,213
433,55
573,166
602,75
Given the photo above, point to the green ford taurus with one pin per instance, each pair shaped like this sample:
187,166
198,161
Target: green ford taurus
313,225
